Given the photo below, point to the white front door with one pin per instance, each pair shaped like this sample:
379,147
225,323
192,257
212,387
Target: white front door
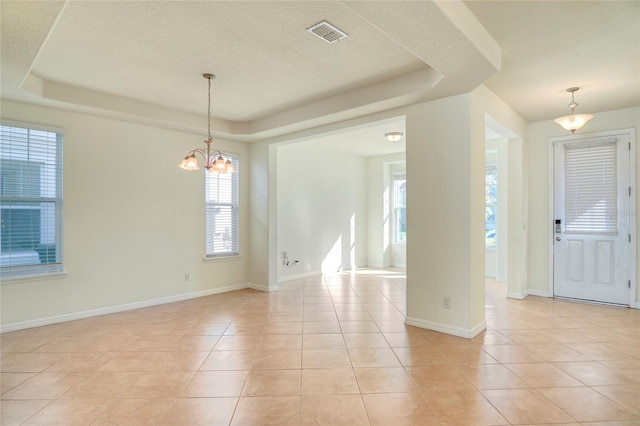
591,238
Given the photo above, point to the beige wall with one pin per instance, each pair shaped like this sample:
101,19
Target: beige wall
133,221
261,216
322,214
492,111
445,216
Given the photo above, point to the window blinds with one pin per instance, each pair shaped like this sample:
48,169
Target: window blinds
590,188
30,201
222,214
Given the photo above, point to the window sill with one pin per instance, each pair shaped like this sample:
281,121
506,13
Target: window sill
226,258
34,277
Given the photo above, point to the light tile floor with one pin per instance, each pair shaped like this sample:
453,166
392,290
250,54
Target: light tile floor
326,350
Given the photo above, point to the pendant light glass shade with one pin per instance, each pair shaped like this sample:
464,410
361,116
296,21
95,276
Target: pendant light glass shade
190,163
573,121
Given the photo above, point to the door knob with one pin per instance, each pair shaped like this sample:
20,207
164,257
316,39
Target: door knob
558,238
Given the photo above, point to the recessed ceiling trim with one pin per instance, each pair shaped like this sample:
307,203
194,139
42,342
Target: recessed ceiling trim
327,32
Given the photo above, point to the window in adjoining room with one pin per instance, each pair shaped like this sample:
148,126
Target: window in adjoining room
30,202
491,205
400,207
222,213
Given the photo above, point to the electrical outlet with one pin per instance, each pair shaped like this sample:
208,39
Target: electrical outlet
187,277
446,302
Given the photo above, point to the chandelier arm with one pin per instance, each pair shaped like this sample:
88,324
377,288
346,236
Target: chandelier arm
219,153
199,151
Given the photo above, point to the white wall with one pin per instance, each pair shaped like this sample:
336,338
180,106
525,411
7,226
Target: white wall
133,221
322,213
538,165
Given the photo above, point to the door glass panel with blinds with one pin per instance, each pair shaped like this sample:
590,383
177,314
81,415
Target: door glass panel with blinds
30,202
590,186
222,213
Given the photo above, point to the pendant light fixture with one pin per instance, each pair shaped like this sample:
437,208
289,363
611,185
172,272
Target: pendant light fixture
573,121
214,160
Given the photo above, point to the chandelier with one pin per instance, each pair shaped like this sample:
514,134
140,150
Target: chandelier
214,160
573,121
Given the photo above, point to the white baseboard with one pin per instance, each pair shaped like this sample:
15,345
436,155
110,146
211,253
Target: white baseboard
117,308
635,305
540,293
448,329
518,296
298,276
262,287
378,265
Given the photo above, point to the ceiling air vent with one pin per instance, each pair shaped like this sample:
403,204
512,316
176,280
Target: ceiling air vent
327,32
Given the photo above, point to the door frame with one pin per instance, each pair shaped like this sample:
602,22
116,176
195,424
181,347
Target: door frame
632,203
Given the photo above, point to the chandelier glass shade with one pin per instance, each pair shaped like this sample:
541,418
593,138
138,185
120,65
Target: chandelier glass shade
215,161
573,121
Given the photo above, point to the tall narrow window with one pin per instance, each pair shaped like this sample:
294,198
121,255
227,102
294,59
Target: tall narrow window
400,207
30,202
222,214
491,205
590,188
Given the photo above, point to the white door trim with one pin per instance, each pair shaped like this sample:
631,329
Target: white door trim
632,203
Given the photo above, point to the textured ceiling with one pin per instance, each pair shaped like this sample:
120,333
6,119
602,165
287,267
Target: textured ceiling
143,60
549,46
264,60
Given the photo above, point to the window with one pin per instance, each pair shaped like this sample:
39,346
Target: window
30,202
222,215
491,205
400,207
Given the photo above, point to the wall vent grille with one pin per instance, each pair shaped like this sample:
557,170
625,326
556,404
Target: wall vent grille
327,32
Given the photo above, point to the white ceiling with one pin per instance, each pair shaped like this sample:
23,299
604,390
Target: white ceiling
143,61
367,140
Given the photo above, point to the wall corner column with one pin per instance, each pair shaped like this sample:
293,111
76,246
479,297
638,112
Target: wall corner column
445,216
